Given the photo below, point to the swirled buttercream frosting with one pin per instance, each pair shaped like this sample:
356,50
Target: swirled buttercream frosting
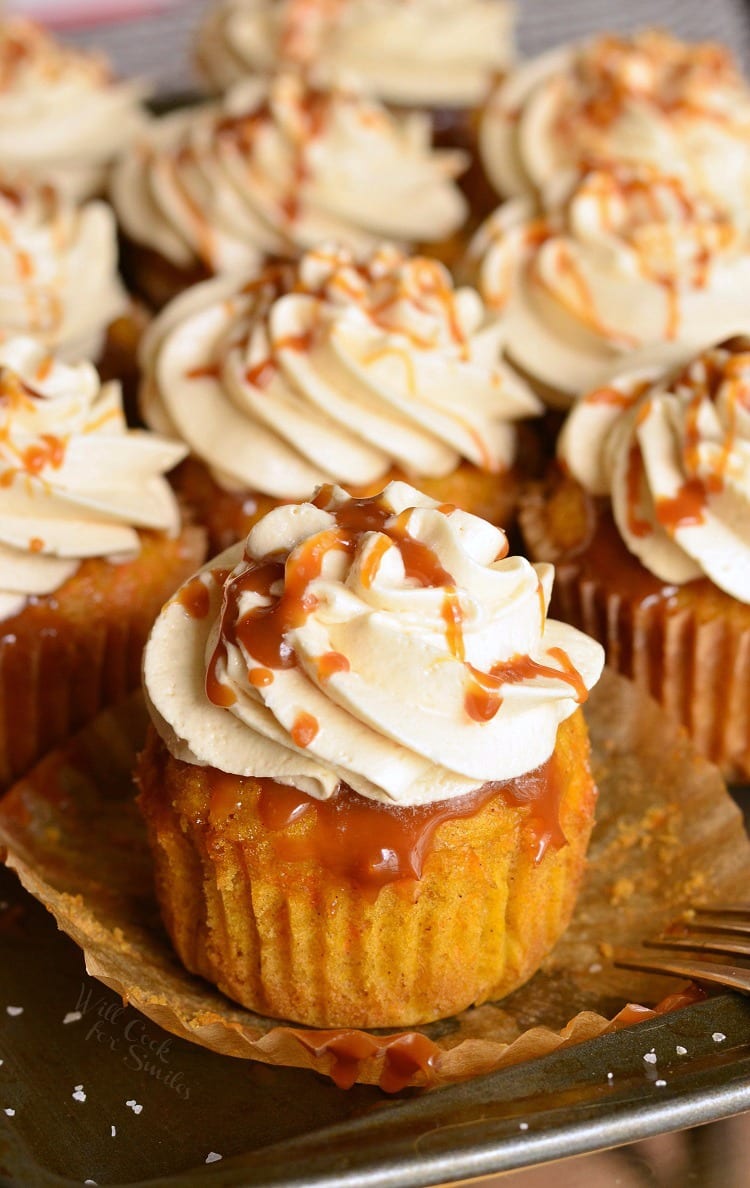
647,99
333,370
672,450
629,258
63,118
421,52
389,644
74,481
58,271
280,167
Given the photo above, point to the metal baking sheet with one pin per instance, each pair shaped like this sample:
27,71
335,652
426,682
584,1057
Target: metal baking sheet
98,1093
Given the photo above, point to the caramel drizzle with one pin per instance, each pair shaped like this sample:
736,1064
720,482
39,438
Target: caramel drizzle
262,632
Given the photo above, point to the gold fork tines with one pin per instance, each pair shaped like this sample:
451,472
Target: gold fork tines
722,930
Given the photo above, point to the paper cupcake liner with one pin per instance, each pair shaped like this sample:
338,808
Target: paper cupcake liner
64,657
668,835
294,940
697,668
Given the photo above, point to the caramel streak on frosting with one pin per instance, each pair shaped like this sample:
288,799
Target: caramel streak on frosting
280,167
627,258
674,456
333,371
338,613
74,481
424,52
58,271
648,99
63,118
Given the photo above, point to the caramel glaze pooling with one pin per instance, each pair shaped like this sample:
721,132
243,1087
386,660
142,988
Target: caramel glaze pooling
372,844
262,632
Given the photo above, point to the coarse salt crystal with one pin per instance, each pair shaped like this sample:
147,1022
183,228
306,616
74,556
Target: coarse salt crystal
78,1093
14,1011
213,1157
650,1058
680,1050
72,1017
134,1106
11,1113
523,1126
660,1084
718,1037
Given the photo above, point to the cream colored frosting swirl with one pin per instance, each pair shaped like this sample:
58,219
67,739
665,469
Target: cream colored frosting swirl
332,370
647,99
672,449
63,119
281,167
75,482
58,271
420,52
631,258
389,644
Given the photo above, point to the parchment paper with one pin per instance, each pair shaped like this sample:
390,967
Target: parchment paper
668,835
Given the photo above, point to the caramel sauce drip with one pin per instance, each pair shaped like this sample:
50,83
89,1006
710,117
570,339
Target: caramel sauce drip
304,729
331,663
403,1056
612,396
639,526
260,678
51,452
372,844
208,371
484,693
686,509
195,598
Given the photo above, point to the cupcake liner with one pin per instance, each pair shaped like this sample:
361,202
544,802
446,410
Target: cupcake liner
64,657
667,835
294,939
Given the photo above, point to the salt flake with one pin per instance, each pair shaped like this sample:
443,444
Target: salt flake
213,1157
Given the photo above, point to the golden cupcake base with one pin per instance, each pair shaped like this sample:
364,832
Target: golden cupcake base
291,936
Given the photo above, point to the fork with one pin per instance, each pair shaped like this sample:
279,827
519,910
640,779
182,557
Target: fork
722,930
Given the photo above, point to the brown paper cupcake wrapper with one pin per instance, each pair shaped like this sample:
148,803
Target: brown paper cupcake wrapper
64,658
699,671
668,834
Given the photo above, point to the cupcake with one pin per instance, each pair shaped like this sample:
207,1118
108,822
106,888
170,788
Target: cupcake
90,548
629,258
428,54
58,271
274,169
333,371
650,529
367,788
63,118
647,99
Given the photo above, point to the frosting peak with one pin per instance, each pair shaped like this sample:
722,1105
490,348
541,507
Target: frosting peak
672,449
280,167
646,99
429,52
74,481
63,118
58,270
628,258
339,612
333,370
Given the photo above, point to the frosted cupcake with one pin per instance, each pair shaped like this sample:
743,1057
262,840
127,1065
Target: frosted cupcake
90,547
273,170
367,790
629,258
651,534
63,118
58,271
427,54
648,99
334,371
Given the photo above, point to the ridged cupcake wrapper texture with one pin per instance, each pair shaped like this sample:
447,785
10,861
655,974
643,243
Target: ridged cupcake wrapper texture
699,671
667,835
65,658
300,943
